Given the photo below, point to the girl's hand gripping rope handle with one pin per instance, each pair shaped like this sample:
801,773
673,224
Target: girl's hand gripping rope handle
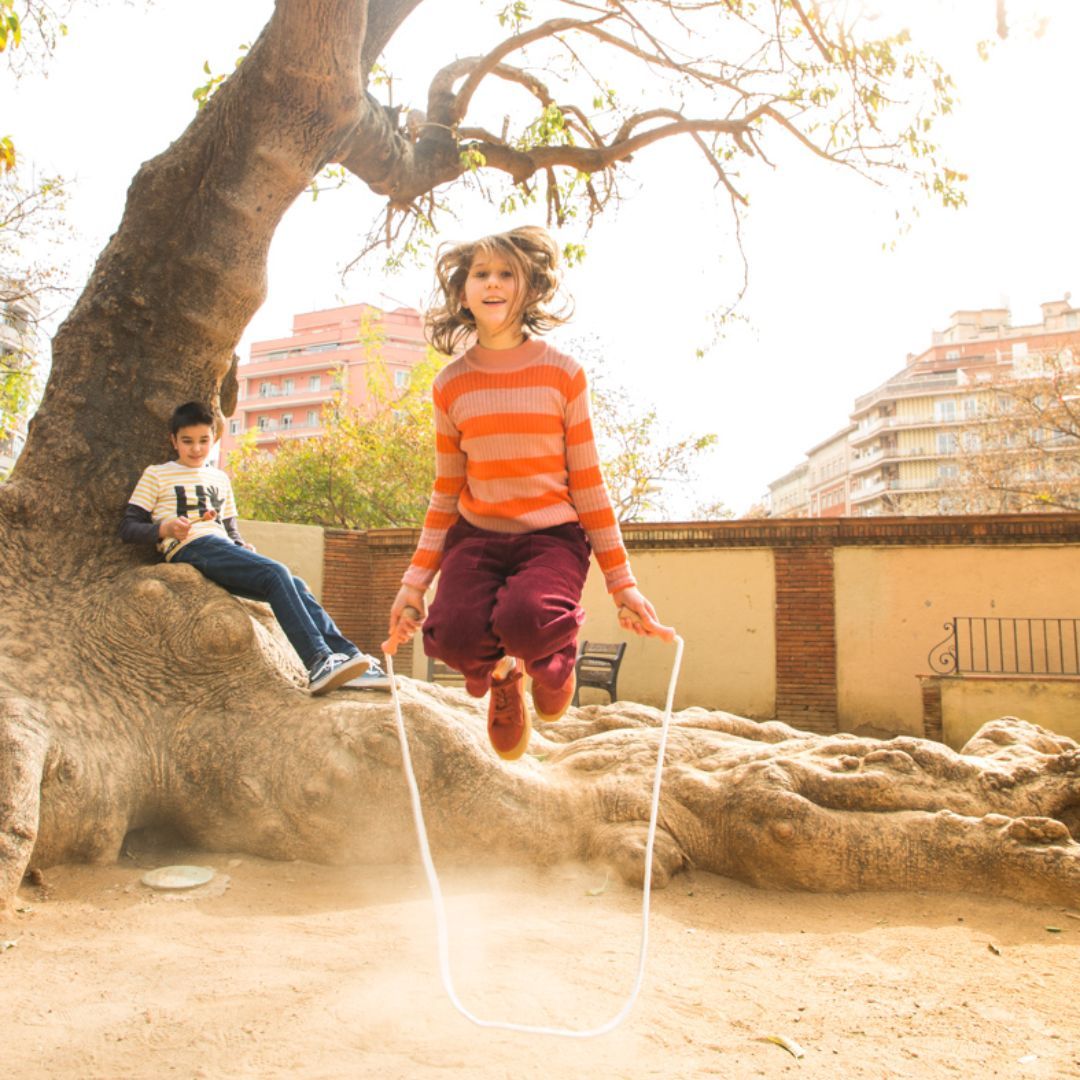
404,622
639,617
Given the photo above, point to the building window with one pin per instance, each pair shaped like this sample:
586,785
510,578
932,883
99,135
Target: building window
953,354
948,472
234,427
314,382
973,408
264,423
329,346
313,418
944,410
286,386
286,420
946,442
279,355
265,389
401,379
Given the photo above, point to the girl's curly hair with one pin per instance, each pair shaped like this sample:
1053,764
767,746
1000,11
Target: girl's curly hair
534,258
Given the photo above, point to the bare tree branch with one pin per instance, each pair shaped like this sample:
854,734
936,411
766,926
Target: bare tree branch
803,73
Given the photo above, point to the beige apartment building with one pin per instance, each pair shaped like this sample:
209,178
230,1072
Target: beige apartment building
905,444
828,477
789,496
287,382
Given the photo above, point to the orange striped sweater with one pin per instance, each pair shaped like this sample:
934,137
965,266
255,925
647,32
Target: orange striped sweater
514,453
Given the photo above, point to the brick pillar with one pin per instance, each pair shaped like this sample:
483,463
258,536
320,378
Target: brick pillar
361,575
347,583
806,638
933,727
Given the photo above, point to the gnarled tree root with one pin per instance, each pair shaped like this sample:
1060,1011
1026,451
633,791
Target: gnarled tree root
198,722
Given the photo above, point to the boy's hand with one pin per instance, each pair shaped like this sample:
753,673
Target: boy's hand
636,614
406,616
177,528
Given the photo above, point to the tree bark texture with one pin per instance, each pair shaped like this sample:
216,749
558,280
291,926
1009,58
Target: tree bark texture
135,696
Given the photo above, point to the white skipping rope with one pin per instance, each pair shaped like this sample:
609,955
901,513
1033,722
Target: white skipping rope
436,890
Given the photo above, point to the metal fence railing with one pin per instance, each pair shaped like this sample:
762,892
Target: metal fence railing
976,645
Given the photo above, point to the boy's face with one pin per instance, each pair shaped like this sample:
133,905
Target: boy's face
193,444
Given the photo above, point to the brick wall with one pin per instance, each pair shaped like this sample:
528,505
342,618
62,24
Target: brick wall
805,638
361,575
933,727
362,571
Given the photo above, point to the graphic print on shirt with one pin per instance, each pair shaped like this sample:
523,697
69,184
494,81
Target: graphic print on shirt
171,490
206,498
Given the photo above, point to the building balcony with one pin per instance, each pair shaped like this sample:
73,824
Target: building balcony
265,368
274,430
899,423
928,384
867,492
279,400
11,338
887,457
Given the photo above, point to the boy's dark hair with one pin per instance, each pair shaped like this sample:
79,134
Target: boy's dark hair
188,415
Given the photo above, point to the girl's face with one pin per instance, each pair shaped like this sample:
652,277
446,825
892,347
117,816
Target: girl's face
490,293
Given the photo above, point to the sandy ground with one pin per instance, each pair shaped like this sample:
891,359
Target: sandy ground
297,970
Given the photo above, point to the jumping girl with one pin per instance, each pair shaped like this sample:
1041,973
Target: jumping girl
518,501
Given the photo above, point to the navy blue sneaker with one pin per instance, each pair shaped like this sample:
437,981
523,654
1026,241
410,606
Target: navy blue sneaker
334,670
372,679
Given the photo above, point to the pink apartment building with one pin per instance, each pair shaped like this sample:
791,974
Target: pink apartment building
286,382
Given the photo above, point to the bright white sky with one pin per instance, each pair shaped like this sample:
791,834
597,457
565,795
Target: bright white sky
829,314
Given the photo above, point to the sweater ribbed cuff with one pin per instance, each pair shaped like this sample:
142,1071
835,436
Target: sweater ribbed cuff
418,578
620,579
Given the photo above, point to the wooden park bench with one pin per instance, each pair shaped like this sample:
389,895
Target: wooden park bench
598,667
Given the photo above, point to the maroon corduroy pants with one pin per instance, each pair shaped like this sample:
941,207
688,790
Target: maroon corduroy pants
514,594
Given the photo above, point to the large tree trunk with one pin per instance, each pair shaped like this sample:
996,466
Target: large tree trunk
135,695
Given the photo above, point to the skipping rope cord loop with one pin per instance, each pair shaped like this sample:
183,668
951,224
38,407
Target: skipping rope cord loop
436,890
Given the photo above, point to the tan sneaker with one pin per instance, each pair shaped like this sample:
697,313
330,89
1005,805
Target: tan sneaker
551,705
508,719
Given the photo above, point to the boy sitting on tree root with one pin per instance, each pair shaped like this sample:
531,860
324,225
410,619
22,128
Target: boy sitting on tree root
186,508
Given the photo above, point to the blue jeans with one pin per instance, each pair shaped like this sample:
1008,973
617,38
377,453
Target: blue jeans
310,631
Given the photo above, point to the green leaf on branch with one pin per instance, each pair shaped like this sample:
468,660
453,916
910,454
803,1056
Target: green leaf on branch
202,94
472,158
515,15
10,27
573,254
